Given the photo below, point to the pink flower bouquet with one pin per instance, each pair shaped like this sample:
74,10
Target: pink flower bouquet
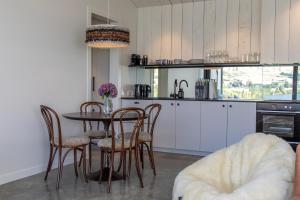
108,90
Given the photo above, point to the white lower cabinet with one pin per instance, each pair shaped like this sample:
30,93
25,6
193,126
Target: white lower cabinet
188,125
164,132
136,103
213,126
204,126
241,121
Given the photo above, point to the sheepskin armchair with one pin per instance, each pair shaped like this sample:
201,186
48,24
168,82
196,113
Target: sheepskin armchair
260,167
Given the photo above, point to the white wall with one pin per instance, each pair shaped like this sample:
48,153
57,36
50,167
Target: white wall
43,60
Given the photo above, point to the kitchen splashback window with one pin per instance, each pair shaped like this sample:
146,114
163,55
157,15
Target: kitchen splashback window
268,83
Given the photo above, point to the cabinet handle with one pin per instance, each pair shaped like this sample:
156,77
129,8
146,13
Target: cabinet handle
230,106
223,106
136,102
178,104
172,104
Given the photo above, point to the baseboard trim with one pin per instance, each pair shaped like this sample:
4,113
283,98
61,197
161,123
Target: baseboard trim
23,173
178,151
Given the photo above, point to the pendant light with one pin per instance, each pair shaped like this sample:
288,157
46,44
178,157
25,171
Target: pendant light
107,35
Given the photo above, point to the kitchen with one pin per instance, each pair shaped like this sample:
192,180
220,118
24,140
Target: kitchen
211,62
138,99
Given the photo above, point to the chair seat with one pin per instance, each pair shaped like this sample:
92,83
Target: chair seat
96,134
71,142
144,137
107,143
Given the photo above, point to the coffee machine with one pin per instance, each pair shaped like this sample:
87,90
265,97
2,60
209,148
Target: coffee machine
142,90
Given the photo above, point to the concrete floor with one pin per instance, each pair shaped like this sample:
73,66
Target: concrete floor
158,188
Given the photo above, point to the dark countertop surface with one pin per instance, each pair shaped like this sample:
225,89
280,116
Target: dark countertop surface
221,100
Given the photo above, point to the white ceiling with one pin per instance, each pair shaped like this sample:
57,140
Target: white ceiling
147,3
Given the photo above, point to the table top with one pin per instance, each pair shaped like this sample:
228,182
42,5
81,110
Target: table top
96,116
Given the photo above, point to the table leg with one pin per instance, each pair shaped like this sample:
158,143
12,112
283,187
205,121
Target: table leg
96,175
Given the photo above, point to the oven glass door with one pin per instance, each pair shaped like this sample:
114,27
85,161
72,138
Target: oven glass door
279,125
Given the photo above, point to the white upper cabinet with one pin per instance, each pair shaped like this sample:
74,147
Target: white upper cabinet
198,29
238,126
294,44
176,31
188,125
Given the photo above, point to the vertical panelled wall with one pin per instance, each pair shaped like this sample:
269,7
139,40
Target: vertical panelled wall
190,30
280,31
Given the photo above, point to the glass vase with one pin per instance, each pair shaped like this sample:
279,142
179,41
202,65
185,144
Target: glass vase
108,106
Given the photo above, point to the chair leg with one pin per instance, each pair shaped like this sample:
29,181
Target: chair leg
50,162
124,164
110,171
137,165
80,160
129,162
142,154
101,165
90,157
152,159
120,163
84,164
60,168
75,162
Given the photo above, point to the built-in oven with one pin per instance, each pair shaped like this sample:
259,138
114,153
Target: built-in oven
280,119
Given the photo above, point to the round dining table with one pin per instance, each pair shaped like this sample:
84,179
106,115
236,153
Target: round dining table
106,120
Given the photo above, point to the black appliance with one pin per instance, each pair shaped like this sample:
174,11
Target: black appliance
142,90
135,59
279,118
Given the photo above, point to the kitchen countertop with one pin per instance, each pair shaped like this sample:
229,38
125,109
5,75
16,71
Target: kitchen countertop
221,100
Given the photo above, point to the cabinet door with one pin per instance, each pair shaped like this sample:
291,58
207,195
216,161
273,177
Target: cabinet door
241,121
164,132
213,126
188,125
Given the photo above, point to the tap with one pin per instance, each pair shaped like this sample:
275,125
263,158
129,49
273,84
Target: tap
175,87
187,85
181,92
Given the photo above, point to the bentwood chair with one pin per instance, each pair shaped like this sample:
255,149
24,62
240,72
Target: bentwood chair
122,143
146,135
92,129
58,143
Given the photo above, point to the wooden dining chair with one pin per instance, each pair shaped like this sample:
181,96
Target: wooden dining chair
146,135
58,143
122,143
92,129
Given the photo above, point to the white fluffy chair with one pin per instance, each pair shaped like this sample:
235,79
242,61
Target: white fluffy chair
260,167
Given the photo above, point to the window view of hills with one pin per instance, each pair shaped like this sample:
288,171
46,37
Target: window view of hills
258,82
